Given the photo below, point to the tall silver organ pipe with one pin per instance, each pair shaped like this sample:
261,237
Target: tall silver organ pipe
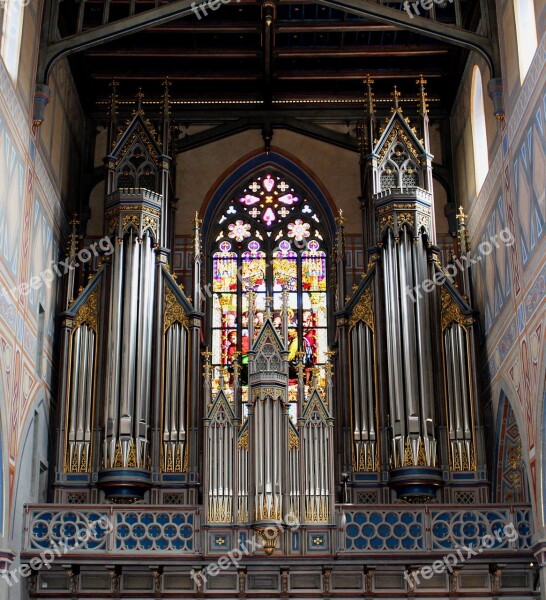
317,459
409,351
268,496
220,452
175,397
458,397
363,396
80,400
128,362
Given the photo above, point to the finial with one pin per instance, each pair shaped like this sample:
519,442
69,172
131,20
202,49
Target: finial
166,112
140,96
423,106
340,219
268,306
73,237
370,95
114,84
461,217
396,95
196,220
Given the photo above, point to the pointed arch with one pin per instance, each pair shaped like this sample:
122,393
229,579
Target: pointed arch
254,161
510,476
479,130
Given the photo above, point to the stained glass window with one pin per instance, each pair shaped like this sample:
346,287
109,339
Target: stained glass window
270,237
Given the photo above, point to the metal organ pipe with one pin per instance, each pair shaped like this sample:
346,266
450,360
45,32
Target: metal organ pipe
409,350
80,400
458,396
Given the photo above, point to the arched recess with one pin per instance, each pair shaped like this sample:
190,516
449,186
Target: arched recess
32,465
510,475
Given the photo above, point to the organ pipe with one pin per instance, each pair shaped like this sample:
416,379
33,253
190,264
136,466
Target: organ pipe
80,399
128,364
409,352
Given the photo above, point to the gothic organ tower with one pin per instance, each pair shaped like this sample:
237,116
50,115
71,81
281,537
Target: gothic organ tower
407,329
129,335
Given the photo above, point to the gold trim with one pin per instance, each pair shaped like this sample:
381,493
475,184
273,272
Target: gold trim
88,312
293,440
174,311
397,132
363,311
451,312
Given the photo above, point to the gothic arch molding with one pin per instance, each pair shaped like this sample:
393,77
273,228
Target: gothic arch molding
503,392
511,476
254,161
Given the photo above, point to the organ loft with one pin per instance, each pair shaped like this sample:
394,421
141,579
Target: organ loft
268,405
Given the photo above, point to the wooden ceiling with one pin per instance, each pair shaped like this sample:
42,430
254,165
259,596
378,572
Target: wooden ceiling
248,55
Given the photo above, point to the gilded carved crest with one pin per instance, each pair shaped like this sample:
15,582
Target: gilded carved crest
174,311
363,311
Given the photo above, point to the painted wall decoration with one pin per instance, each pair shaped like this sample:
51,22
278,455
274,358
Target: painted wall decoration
529,178
493,271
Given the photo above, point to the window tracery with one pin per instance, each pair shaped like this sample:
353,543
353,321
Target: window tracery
269,237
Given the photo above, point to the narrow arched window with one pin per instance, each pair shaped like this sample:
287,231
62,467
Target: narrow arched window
12,28
479,131
526,33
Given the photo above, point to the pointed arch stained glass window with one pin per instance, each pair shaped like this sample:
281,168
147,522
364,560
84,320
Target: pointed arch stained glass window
270,236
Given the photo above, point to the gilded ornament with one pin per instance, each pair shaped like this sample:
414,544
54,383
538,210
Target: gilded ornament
131,458
405,217
451,312
293,440
118,460
130,220
408,454
386,222
88,313
174,311
150,223
363,311
242,444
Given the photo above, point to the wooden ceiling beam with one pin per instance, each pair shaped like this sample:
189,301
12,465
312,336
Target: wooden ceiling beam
317,75
173,53
358,51
309,52
280,27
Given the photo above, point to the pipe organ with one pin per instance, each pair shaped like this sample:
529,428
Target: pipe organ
270,436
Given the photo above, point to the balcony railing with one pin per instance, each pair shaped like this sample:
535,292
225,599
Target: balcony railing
81,531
